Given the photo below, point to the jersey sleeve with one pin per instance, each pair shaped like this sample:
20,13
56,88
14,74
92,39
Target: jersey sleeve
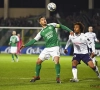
68,43
38,36
95,37
31,42
17,38
89,44
10,39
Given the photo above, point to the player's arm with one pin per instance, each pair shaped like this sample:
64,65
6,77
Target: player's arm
95,38
9,41
67,45
31,42
17,39
63,27
91,46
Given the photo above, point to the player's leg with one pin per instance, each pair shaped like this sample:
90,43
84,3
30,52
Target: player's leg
16,57
12,53
95,68
57,68
13,57
90,63
15,53
74,71
75,62
95,61
93,57
37,70
56,57
41,58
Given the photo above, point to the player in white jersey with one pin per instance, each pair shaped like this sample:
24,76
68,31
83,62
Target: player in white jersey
80,43
92,36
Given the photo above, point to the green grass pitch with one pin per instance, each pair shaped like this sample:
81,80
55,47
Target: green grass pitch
16,75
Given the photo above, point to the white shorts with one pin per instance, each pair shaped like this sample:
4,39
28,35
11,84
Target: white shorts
13,50
47,52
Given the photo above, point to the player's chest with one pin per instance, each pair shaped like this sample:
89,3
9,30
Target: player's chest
91,36
48,31
13,38
78,39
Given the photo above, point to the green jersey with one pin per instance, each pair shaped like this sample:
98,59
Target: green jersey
13,40
49,34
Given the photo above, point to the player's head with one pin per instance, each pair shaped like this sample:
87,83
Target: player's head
78,27
18,35
13,32
90,29
42,20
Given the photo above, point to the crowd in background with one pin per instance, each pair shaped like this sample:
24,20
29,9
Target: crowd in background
88,18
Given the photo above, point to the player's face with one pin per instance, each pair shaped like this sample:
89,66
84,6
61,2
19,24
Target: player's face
14,32
18,35
90,29
76,29
43,21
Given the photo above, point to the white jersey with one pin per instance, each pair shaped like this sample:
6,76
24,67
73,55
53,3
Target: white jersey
92,37
80,43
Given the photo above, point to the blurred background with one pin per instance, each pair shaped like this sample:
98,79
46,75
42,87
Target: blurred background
24,13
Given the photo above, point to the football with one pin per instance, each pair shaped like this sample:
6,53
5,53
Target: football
51,6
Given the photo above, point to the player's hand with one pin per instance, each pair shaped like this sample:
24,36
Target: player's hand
65,51
22,47
92,55
9,44
72,33
98,41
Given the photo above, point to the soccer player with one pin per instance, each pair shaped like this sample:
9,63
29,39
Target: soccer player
19,44
49,34
80,43
92,36
13,43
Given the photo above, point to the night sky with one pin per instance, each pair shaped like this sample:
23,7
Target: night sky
70,5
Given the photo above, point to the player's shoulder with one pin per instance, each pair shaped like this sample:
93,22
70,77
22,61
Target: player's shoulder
83,35
16,36
86,33
54,24
93,33
71,36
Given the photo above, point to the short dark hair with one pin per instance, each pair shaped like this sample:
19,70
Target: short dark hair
40,18
82,27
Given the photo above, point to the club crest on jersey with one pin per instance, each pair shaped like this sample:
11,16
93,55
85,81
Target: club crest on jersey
50,27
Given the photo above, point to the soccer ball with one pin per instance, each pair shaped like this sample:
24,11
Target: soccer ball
51,6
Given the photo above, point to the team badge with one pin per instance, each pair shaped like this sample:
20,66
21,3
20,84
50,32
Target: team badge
50,27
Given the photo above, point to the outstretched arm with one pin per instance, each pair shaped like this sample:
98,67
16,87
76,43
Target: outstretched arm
65,28
67,45
96,40
31,42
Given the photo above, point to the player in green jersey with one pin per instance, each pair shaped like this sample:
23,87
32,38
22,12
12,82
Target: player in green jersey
49,34
13,43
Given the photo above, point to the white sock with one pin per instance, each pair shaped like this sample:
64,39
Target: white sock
93,59
74,71
96,70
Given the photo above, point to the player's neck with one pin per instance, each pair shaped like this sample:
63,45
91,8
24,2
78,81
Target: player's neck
78,34
44,25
